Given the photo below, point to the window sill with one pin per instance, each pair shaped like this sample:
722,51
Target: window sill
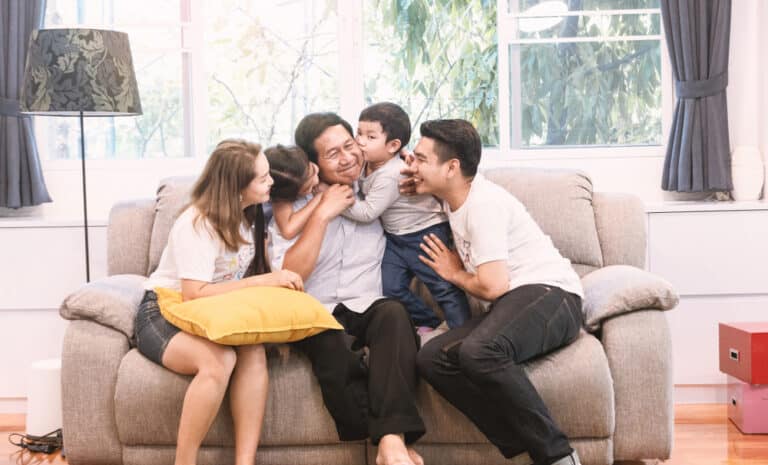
27,222
705,206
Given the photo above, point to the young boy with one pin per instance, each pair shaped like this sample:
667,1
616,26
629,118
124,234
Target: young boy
535,298
383,130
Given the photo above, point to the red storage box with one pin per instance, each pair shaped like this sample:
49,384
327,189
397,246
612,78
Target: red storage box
748,406
744,351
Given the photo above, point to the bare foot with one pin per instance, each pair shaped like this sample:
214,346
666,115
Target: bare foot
392,451
415,457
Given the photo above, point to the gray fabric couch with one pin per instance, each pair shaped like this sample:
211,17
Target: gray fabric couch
611,390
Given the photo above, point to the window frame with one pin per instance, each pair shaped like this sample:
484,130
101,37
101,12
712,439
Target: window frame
351,97
506,21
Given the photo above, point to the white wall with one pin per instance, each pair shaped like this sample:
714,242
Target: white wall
42,263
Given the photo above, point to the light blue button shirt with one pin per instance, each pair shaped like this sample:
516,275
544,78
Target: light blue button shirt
348,268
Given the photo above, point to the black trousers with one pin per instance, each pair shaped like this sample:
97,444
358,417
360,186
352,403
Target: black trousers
377,398
478,368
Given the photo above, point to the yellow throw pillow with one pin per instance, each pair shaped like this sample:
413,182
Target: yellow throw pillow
252,315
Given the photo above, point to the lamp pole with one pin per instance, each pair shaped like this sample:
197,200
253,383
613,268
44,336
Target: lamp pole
70,52
85,201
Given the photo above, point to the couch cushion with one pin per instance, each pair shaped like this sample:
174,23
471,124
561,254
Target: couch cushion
561,203
148,402
172,196
252,315
618,289
574,382
110,301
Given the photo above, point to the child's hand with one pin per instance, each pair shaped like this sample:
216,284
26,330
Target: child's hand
320,188
336,199
407,185
444,261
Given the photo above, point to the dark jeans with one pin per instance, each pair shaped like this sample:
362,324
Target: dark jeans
401,263
478,368
377,399
153,332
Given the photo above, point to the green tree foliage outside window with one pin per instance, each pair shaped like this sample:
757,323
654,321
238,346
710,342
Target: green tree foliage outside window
592,93
436,58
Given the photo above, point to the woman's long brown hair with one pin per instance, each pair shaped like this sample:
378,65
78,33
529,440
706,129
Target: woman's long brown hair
216,195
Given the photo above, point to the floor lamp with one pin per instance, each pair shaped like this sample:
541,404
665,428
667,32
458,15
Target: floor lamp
80,72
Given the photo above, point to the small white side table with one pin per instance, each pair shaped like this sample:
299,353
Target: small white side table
44,397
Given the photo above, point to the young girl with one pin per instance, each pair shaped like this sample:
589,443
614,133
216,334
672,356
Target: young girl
295,176
215,246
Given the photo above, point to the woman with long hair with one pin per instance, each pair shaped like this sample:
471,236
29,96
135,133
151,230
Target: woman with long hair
215,246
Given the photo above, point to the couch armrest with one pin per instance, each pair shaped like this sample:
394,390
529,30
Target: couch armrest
128,235
615,290
89,363
620,222
638,346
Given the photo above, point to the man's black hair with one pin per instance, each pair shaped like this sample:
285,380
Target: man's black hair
455,138
393,119
311,126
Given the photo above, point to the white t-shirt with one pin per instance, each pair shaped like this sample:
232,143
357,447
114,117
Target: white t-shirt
195,252
493,225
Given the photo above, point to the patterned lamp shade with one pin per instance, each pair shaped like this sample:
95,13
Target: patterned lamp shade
70,71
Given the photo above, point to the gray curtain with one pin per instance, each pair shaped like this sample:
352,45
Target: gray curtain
21,179
698,153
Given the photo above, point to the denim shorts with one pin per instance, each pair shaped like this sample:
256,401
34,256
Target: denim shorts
153,332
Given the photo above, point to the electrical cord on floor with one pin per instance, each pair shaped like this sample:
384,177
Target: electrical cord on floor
47,444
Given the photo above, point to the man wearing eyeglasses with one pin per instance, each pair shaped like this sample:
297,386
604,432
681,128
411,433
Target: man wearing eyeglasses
340,262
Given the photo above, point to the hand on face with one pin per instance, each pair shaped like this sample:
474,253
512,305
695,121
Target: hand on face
336,199
444,261
407,185
320,188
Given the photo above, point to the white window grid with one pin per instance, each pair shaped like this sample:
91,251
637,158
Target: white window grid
351,90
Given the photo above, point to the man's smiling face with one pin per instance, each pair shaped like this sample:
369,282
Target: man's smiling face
338,156
429,173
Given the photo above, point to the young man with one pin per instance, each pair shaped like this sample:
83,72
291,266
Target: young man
533,297
340,262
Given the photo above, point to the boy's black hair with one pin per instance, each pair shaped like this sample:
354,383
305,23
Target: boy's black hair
288,166
393,119
455,138
311,126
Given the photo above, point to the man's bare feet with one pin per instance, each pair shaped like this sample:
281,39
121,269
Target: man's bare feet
392,451
415,457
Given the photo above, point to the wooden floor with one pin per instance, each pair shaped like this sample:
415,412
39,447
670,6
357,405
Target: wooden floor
703,436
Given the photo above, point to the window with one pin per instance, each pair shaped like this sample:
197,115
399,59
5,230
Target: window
436,59
268,63
585,72
157,59
529,74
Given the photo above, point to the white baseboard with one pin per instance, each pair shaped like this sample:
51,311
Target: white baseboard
13,405
701,393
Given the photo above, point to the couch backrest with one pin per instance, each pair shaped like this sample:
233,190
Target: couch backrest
561,201
172,197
